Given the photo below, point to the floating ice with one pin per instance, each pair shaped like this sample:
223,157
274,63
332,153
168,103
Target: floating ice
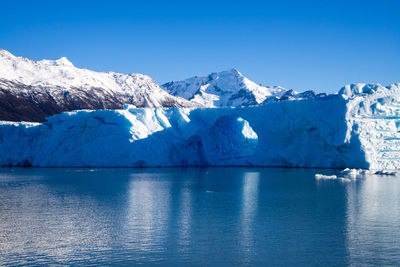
325,177
353,173
350,172
384,172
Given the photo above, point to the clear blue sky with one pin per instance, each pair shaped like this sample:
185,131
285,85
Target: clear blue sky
320,45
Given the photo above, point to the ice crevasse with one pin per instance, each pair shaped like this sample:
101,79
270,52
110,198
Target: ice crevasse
357,128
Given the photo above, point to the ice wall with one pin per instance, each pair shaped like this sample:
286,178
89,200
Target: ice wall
373,114
357,128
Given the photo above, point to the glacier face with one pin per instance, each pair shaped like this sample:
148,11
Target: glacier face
357,128
375,120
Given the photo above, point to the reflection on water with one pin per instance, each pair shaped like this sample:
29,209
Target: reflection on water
185,220
199,216
248,210
147,215
373,215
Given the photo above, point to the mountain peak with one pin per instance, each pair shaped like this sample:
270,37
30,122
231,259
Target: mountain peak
5,53
225,75
227,88
234,71
63,61
230,72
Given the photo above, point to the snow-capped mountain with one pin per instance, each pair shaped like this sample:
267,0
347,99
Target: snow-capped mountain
31,90
222,89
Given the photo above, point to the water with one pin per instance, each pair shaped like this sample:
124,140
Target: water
197,217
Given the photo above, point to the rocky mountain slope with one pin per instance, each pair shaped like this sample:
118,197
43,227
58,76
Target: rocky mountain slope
32,90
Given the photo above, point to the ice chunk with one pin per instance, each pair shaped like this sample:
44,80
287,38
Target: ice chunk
350,172
325,177
384,172
332,177
353,173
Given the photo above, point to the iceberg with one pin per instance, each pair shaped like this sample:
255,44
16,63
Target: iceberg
357,128
323,177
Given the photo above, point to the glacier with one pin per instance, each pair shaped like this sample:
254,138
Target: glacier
359,127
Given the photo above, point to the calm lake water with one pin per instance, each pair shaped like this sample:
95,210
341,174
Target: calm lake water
197,217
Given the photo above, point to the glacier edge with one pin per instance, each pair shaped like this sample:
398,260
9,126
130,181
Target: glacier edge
356,128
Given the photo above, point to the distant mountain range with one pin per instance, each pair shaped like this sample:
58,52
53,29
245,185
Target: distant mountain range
33,90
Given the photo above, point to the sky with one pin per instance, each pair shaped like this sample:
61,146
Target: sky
302,45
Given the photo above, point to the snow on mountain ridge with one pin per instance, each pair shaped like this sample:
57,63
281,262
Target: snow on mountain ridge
49,87
59,72
222,89
31,90
219,89
62,61
5,53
